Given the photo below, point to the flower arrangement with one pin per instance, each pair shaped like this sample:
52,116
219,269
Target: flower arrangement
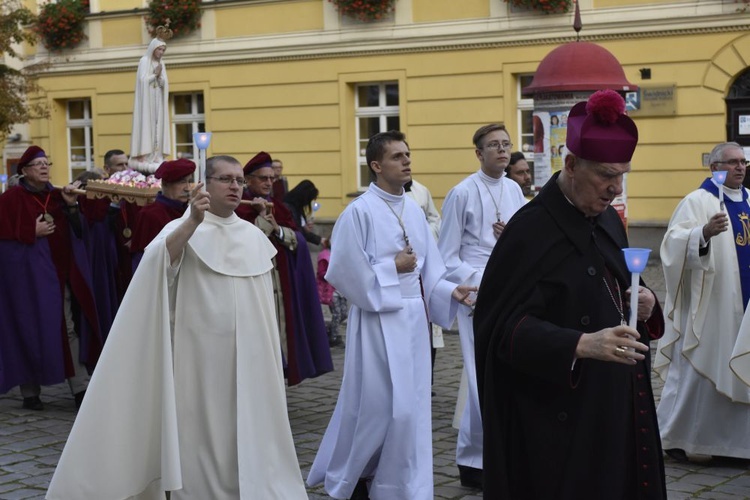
546,6
60,24
133,178
364,10
183,16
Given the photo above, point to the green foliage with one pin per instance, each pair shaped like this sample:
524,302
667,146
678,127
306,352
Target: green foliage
546,6
60,24
184,16
364,10
14,84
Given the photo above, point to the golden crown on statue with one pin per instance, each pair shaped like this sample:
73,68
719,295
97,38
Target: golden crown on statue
163,32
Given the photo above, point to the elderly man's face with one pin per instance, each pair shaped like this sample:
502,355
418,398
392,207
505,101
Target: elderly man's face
36,172
178,190
594,185
261,181
733,161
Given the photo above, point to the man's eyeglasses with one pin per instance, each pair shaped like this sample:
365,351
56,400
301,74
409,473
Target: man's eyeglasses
225,179
40,164
263,178
497,146
734,162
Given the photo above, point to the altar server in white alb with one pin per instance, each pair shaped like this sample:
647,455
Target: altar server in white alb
189,395
384,260
474,215
704,355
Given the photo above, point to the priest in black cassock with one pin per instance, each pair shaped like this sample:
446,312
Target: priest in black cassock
564,384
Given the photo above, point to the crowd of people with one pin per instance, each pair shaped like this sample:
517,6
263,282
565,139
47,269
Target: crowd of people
555,400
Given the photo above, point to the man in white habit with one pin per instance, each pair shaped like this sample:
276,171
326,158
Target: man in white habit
474,215
384,260
189,395
704,355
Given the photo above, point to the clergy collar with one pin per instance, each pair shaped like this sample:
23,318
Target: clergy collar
28,187
489,180
393,198
170,202
734,194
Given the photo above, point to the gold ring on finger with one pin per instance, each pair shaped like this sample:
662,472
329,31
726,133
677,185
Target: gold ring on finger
619,351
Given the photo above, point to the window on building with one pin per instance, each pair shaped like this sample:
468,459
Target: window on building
526,122
377,110
80,129
187,118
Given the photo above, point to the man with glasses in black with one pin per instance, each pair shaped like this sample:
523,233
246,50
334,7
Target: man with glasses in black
703,356
474,216
304,339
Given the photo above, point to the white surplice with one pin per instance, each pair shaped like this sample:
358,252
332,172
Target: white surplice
704,404
189,395
381,427
466,242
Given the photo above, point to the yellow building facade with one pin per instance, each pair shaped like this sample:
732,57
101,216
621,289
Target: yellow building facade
294,78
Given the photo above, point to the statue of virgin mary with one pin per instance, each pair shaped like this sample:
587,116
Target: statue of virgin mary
150,140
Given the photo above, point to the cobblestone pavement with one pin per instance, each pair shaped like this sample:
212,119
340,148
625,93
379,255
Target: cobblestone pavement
31,442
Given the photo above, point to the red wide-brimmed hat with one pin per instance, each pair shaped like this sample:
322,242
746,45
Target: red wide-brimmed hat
257,162
174,170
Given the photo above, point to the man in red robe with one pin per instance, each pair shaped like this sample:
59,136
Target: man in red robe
169,205
49,329
303,334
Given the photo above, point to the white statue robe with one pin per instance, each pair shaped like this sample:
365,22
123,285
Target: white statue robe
150,140
466,242
704,404
188,395
381,427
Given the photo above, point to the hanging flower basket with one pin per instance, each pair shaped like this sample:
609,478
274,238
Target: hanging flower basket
545,6
364,10
60,25
184,16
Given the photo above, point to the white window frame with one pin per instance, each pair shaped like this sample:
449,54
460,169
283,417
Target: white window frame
524,104
87,124
194,118
382,111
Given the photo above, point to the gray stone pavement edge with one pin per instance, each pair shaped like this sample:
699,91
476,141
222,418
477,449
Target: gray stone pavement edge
31,442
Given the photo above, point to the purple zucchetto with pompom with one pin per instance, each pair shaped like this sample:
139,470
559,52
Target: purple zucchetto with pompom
599,130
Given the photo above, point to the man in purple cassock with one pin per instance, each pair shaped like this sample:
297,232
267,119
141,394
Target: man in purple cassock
301,324
49,329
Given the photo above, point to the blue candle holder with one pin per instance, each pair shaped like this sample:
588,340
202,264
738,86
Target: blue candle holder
636,260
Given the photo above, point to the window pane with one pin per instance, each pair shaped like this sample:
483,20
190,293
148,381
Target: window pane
183,133
76,171
369,96
391,94
75,110
184,151
364,176
368,127
77,138
393,122
201,127
182,104
199,97
77,154
526,80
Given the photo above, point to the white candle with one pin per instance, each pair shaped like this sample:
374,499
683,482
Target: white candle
634,287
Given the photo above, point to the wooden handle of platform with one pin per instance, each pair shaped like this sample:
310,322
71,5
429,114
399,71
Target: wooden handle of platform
74,190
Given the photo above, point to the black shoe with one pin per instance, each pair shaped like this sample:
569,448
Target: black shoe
33,403
334,341
360,491
470,477
677,454
79,398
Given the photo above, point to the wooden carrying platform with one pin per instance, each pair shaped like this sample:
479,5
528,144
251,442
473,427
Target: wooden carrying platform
117,192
